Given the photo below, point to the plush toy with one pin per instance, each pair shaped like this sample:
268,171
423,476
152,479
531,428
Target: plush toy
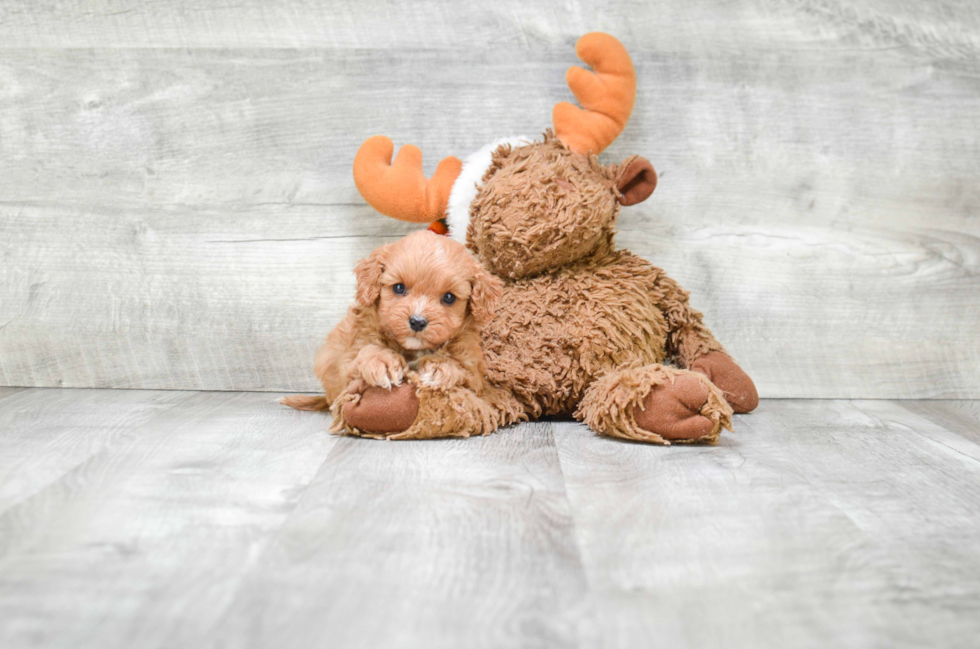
583,328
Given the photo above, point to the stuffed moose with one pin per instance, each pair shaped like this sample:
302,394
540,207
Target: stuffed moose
582,328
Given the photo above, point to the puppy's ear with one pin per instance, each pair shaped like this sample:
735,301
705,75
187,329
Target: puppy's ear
368,273
487,290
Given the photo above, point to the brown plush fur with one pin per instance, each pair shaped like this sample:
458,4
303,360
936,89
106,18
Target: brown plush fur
454,411
581,327
580,321
574,309
374,346
629,403
541,207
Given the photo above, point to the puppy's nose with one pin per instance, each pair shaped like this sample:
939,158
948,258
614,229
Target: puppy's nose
417,323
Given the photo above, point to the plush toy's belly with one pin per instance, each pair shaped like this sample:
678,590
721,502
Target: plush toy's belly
554,334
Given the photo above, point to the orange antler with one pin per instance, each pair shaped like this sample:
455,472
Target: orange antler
607,95
401,190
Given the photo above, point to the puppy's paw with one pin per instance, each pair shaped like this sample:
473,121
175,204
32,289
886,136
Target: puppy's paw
380,367
441,375
383,373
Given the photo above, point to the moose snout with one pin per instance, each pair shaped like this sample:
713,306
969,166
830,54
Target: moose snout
417,323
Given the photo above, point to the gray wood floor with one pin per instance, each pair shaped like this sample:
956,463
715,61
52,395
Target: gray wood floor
194,519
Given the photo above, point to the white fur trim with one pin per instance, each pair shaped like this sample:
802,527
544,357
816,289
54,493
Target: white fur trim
465,187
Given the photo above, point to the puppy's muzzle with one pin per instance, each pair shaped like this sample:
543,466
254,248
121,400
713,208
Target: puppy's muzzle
417,323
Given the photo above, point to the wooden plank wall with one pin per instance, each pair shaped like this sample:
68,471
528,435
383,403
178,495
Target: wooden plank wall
177,209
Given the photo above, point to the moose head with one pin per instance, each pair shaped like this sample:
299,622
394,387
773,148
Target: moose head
526,206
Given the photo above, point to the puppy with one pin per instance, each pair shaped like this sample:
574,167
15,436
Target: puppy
420,304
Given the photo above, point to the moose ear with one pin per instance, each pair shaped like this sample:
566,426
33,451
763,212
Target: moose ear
637,180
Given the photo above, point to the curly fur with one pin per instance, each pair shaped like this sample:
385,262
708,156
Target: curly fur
575,311
453,411
375,346
580,327
541,206
610,405
566,318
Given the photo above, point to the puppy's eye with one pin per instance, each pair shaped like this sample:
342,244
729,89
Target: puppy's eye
448,299
399,289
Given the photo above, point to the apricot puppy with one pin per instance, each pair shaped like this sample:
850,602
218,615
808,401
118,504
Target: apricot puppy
420,304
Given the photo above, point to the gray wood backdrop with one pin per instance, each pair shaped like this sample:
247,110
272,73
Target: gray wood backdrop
177,208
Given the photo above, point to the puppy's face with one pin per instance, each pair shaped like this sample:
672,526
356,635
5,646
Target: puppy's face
426,287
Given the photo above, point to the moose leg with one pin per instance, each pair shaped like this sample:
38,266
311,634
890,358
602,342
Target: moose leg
694,347
656,403
735,384
415,412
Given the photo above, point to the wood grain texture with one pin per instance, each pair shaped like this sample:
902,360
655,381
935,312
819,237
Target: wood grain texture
960,417
49,433
819,523
9,392
194,519
948,28
163,299
143,540
419,544
177,209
